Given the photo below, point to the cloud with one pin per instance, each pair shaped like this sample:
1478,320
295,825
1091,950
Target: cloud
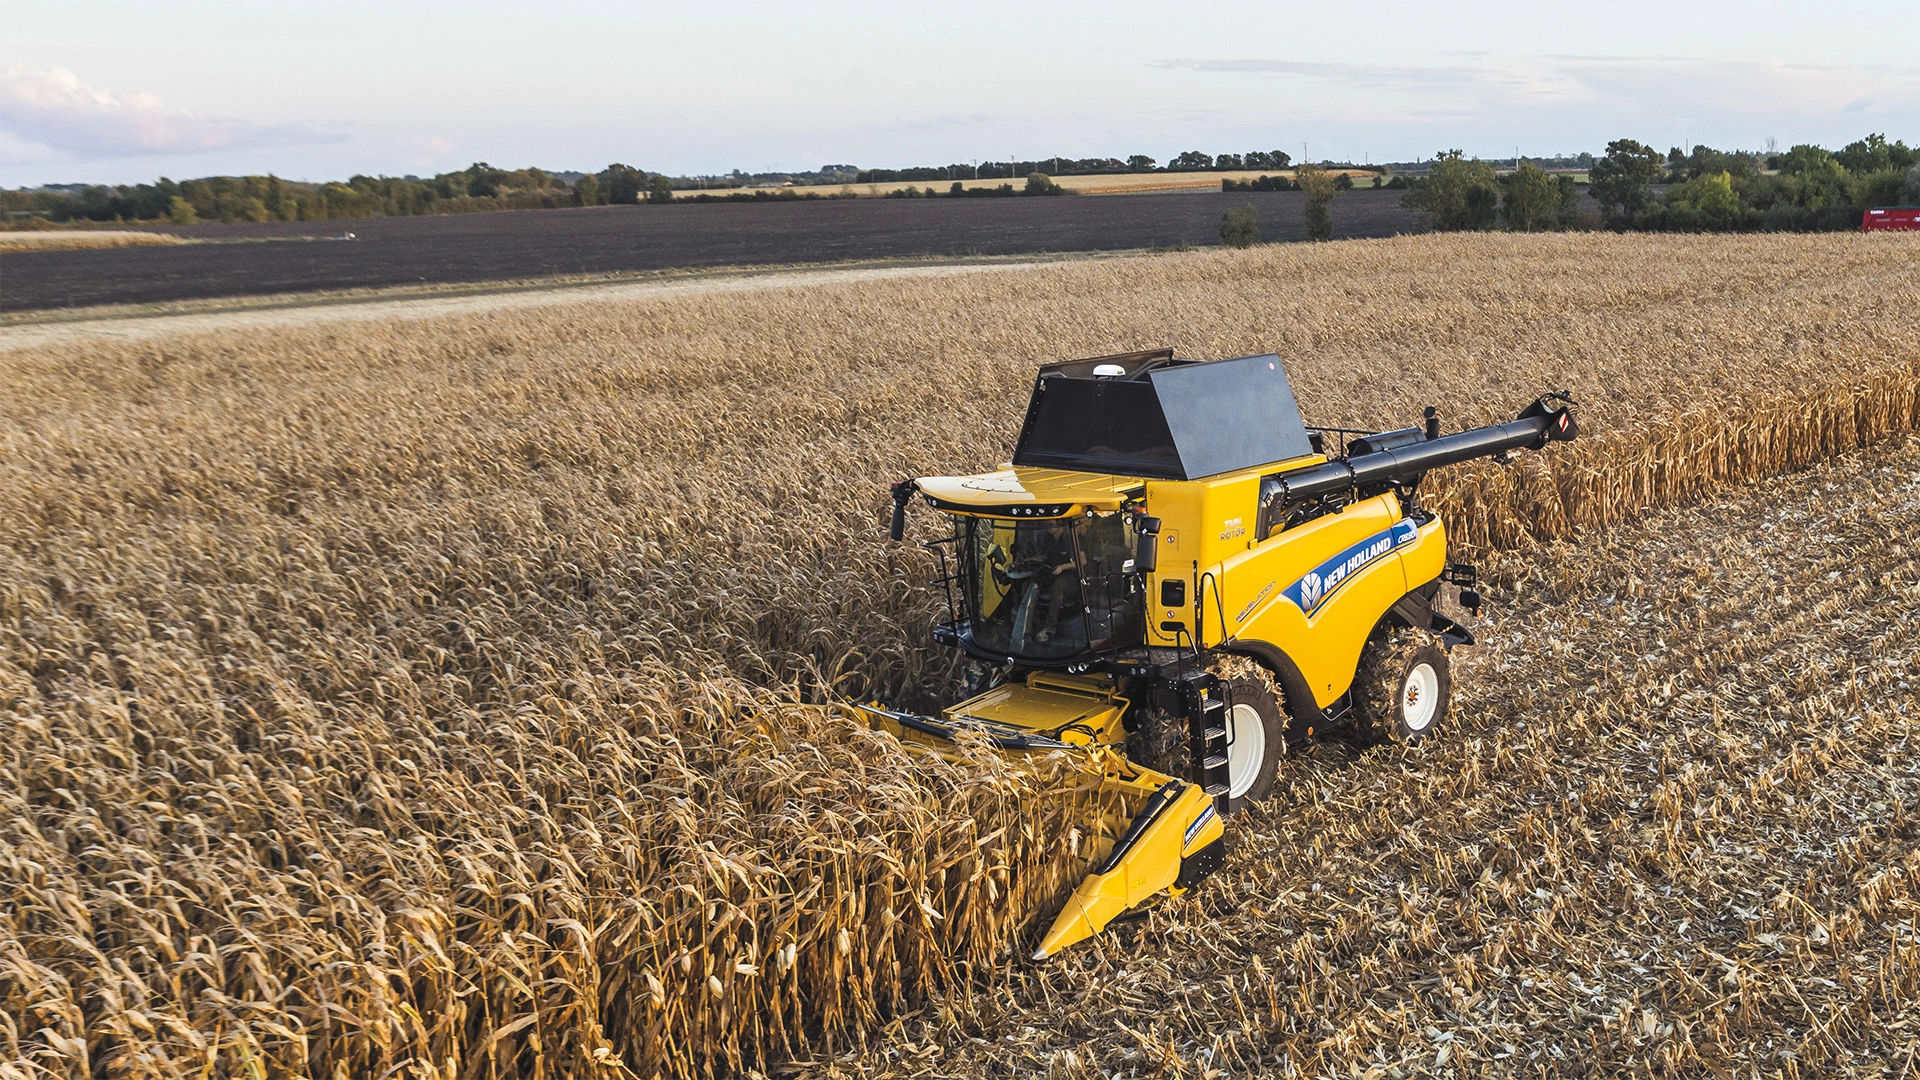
55,109
1370,76
1684,88
941,123
1743,87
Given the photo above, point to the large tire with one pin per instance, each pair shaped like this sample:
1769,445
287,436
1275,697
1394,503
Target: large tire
1403,686
1256,725
1256,731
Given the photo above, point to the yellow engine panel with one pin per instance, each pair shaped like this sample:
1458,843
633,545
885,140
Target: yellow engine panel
1314,592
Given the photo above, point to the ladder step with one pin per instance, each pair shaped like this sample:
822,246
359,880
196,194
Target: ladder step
1215,790
1217,761
1213,733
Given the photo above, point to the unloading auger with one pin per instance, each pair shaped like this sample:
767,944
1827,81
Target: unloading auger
1173,574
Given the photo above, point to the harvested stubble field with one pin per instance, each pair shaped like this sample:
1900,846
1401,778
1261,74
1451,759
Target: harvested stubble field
1669,834
433,696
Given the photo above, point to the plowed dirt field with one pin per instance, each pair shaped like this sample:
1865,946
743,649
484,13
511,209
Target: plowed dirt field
249,259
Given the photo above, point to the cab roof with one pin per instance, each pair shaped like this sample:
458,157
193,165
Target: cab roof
1149,415
1047,492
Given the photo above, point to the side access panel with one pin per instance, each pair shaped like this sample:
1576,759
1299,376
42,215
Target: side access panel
1427,559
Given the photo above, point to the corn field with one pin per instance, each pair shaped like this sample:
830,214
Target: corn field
455,697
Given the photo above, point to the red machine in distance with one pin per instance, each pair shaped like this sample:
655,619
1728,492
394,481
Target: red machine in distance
1891,219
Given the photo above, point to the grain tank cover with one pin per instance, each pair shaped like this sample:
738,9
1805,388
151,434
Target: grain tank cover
1165,419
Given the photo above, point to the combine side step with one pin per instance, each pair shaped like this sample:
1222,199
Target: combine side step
1206,709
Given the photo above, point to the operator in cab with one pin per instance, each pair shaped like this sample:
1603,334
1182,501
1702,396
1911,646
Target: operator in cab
1056,569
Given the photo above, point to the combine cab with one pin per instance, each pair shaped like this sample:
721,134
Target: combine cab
1174,574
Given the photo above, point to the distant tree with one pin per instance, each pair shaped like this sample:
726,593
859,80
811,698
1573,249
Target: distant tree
1809,160
182,211
1814,178
1240,228
1885,187
1716,203
1532,201
1227,162
1569,194
1280,158
623,184
1343,182
1191,161
1624,178
958,188
1041,184
1321,190
586,191
659,189
1706,161
277,198
1875,154
1704,202
1140,163
484,181
1458,193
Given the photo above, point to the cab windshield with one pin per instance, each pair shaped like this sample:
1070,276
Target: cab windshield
1050,590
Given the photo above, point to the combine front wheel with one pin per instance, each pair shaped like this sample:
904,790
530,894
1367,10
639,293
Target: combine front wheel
1254,731
1403,685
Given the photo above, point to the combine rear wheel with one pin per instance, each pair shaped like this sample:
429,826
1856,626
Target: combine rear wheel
1403,685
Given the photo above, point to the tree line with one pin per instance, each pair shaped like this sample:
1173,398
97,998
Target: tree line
1632,185
1635,187
476,188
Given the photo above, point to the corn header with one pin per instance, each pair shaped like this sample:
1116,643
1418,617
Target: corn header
1174,575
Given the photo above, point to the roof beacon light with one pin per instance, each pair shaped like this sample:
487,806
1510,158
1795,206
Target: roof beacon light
1109,371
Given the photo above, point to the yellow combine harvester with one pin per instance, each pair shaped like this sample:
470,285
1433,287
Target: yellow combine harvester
1174,573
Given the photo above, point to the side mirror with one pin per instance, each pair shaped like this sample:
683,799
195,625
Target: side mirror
902,492
1146,554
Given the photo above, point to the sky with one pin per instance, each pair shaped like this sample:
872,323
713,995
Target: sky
127,90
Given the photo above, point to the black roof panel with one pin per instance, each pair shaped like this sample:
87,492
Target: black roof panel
1164,418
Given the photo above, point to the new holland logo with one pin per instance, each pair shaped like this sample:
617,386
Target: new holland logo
1193,830
1318,585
